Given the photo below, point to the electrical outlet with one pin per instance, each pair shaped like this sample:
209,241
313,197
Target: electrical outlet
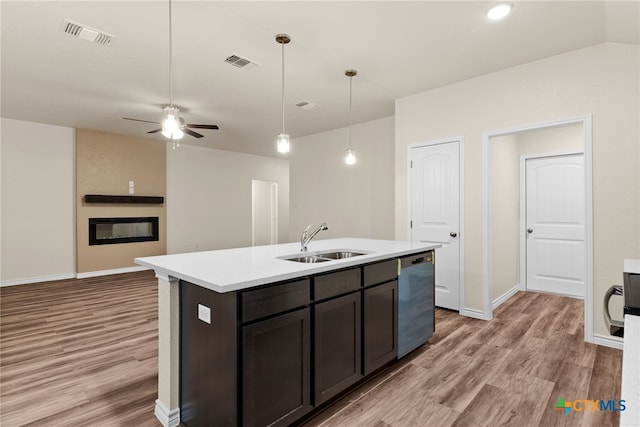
204,313
131,187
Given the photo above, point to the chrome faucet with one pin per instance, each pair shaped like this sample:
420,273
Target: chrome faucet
306,237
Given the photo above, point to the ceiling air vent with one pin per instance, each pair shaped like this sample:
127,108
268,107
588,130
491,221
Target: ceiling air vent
306,105
240,62
87,33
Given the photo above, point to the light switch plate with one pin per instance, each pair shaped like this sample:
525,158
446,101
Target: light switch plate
204,313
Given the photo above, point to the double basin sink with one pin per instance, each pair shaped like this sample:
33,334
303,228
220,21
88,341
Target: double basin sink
322,256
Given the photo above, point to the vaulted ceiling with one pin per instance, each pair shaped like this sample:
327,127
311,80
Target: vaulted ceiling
398,47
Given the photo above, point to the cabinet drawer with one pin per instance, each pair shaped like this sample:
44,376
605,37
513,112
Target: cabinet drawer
380,272
338,283
274,299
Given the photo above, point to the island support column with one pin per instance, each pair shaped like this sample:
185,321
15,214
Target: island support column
167,408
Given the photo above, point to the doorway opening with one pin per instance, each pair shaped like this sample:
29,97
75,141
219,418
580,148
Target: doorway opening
264,212
505,154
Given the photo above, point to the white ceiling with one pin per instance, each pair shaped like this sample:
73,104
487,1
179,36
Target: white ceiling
398,48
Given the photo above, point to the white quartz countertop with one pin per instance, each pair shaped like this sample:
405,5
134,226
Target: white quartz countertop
630,392
241,268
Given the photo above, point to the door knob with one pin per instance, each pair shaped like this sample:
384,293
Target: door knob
529,230
453,234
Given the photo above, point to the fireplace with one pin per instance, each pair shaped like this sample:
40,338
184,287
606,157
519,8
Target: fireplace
109,231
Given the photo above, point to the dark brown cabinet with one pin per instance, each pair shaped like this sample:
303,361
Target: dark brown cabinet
276,369
272,354
337,345
380,308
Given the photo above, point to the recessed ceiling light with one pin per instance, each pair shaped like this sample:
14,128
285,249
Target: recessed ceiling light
498,11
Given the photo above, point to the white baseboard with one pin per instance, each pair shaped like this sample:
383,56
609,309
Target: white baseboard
477,314
504,297
112,271
608,341
166,417
38,279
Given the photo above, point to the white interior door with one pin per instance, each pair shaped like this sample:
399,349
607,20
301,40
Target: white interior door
264,212
435,213
555,218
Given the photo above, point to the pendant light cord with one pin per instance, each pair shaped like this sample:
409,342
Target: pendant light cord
283,88
170,59
350,107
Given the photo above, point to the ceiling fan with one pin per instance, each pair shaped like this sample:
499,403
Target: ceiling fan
172,114
172,125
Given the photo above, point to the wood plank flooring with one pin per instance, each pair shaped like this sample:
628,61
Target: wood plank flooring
80,352
506,372
84,353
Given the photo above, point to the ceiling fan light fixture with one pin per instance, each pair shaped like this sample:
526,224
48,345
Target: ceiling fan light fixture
172,123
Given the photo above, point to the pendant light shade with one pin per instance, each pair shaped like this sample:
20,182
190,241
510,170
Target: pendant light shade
282,141
350,153
350,157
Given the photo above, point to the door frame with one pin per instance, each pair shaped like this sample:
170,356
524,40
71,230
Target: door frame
587,138
523,214
461,234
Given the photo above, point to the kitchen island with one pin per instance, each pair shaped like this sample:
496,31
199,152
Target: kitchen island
237,325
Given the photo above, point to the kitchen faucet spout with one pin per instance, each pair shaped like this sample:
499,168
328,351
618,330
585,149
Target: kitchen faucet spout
306,236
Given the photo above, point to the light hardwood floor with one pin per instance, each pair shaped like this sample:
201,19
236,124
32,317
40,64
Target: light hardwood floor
80,352
84,352
509,371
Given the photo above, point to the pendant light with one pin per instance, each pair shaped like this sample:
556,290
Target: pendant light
350,153
282,141
172,123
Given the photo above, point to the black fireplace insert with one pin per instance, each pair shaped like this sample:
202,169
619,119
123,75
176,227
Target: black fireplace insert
109,231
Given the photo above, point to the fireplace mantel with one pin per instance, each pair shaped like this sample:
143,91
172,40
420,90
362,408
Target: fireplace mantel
104,198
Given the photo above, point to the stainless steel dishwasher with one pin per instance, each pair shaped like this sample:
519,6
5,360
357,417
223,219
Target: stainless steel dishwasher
416,301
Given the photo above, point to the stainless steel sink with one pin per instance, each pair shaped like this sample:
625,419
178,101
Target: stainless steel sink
322,256
339,254
307,259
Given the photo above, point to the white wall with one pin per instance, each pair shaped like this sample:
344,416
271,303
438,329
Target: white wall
355,201
601,80
505,214
209,197
557,139
38,208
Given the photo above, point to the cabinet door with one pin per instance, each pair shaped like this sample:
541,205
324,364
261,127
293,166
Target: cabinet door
380,325
276,369
337,345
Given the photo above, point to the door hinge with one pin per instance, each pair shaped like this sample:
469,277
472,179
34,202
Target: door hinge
411,164
410,224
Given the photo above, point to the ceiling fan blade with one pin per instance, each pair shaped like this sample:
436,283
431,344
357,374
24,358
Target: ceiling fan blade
192,133
154,131
203,126
138,120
